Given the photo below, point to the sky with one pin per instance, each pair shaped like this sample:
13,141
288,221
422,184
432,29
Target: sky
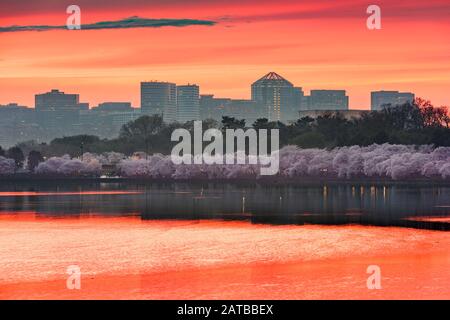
224,47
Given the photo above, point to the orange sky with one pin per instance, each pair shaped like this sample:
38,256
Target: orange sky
315,44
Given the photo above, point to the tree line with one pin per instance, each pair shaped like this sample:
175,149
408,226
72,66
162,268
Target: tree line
415,123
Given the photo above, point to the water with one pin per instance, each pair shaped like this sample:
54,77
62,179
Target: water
424,206
223,241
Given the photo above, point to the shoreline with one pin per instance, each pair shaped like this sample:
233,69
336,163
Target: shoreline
244,181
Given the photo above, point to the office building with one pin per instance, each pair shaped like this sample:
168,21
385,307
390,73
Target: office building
58,113
17,124
211,107
107,120
216,108
188,103
109,107
328,100
159,98
276,96
381,99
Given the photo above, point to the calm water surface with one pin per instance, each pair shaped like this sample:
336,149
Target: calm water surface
223,241
409,205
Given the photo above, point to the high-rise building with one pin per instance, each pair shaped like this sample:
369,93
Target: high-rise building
107,119
300,100
188,103
211,107
381,99
55,99
328,100
159,98
276,96
17,124
58,113
242,109
118,119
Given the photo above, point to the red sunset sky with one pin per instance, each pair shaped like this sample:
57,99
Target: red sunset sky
313,43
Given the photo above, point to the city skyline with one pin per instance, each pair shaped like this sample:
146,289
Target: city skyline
139,103
314,44
274,98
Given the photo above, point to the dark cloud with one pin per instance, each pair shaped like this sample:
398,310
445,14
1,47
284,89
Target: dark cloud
132,22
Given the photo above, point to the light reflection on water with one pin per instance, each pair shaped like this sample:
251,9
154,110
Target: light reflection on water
418,206
164,240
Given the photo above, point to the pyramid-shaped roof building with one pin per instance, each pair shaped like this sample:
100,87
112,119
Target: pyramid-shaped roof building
273,78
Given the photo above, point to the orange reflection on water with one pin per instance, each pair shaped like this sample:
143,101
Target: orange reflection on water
129,258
